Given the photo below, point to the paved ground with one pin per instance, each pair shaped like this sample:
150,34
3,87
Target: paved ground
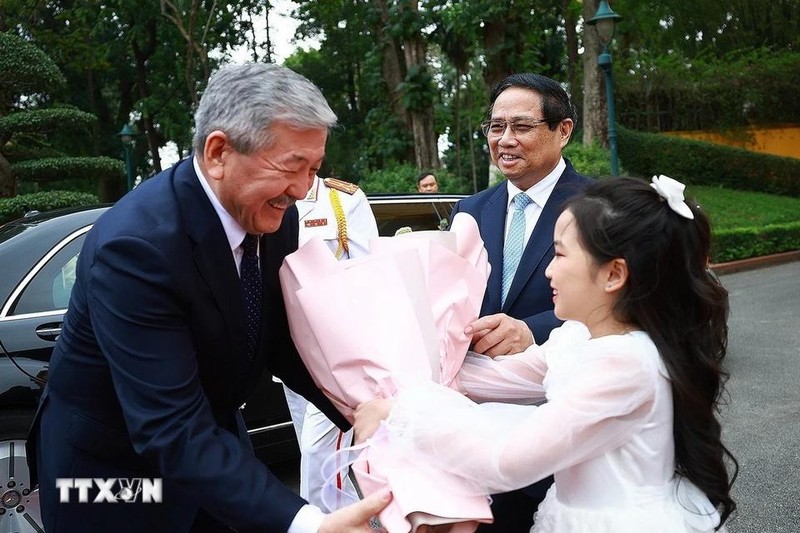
762,423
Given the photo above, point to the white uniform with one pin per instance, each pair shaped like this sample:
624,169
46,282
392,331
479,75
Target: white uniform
347,235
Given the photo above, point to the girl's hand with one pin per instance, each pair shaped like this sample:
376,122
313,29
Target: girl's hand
368,417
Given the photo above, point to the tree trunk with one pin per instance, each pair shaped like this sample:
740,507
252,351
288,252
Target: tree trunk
426,150
595,109
457,120
392,66
494,34
268,38
141,54
570,23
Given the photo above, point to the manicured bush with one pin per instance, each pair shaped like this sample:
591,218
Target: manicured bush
12,208
741,243
590,160
703,163
402,178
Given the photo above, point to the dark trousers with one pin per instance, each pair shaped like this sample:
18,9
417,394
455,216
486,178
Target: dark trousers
513,511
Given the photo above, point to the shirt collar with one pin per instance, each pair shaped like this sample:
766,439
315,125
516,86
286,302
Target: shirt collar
540,192
313,192
233,231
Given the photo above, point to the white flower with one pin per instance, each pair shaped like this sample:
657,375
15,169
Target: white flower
672,191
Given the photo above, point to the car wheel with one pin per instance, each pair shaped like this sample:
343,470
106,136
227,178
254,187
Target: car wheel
19,503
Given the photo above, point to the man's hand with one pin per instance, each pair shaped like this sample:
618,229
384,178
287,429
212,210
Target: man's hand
499,334
355,518
368,418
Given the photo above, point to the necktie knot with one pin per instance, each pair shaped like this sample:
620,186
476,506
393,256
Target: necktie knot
521,201
250,245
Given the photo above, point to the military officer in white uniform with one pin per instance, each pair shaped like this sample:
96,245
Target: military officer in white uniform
339,213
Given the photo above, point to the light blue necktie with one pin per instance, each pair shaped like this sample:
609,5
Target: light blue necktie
515,242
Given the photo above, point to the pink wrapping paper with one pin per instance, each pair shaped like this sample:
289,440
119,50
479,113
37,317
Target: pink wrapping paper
369,326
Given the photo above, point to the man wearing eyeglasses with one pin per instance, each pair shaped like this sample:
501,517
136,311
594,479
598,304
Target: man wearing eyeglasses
529,123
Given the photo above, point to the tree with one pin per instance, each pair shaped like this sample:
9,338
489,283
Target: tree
595,107
27,116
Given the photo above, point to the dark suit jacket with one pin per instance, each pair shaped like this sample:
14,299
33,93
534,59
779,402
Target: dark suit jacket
147,376
529,297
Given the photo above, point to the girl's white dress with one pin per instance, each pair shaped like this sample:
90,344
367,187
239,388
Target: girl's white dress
605,432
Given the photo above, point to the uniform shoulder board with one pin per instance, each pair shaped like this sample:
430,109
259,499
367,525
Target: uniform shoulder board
339,185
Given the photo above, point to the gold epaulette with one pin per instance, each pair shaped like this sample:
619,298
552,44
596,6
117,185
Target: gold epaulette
339,185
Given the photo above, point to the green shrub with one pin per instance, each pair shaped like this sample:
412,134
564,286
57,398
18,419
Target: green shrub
591,160
59,168
741,243
12,208
402,178
703,163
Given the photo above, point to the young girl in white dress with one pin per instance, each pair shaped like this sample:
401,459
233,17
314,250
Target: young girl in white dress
632,379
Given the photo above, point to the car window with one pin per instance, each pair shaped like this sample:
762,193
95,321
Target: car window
416,215
50,288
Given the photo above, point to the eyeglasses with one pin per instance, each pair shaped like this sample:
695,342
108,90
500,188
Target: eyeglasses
497,128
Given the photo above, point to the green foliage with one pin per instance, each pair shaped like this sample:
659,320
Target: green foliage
707,27
592,160
396,178
59,168
663,92
25,68
44,120
418,91
12,208
741,243
702,163
729,208
402,178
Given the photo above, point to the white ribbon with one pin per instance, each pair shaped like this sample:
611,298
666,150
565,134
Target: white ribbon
672,191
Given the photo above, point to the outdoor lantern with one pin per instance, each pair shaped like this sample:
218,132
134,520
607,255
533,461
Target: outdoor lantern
127,135
604,20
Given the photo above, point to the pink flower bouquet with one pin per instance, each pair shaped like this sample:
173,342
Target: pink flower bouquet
370,326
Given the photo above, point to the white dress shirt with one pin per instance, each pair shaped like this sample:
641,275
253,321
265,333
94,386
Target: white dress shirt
539,193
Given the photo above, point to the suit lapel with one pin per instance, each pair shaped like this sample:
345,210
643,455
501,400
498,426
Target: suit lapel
493,224
212,254
541,240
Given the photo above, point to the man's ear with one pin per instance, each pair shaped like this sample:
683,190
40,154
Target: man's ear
565,129
616,274
215,152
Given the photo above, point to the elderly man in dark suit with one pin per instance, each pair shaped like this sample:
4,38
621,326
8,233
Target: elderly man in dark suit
176,311
530,121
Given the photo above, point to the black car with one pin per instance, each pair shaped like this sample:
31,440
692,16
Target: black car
38,254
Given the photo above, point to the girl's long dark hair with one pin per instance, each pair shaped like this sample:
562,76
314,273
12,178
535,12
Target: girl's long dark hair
672,296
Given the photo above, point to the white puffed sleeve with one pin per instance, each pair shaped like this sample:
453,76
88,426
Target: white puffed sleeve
516,378
593,408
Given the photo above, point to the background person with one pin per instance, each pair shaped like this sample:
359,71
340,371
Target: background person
426,183
633,379
176,312
339,213
529,122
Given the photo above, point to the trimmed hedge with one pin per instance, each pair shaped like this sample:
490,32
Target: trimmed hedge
13,208
59,168
703,163
741,243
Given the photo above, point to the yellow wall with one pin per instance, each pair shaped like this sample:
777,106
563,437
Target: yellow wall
783,141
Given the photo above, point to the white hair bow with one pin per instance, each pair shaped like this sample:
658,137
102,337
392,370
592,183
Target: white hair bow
672,191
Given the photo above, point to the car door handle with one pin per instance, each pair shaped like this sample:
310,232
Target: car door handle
49,332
